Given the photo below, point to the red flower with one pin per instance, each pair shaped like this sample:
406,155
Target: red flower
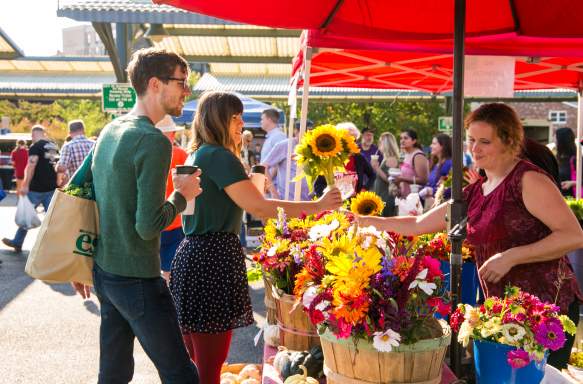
456,320
442,308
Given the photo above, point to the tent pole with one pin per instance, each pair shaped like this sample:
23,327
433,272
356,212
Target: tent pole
578,145
457,209
304,113
292,102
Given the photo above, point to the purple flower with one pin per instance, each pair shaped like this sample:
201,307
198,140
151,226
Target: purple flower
518,358
387,264
550,334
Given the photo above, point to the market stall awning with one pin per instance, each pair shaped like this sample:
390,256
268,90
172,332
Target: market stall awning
431,72
400,20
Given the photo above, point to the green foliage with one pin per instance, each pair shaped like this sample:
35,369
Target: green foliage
84,192
576,206
54,116
254,273
383,116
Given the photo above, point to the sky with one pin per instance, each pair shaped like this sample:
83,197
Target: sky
33,25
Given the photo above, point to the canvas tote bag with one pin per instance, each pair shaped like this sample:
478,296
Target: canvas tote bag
67,239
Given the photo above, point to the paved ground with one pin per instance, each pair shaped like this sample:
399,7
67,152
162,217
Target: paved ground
50,335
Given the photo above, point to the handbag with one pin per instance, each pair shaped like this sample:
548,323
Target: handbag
67,239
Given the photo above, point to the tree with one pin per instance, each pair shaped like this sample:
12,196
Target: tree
383,116
54,116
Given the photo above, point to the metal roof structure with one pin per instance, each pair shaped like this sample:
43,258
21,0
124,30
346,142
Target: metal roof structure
63,64
131,12
56,76
8,49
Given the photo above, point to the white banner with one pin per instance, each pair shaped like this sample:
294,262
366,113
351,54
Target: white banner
489,76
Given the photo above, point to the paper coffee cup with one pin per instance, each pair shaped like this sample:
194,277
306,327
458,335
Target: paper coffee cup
257,177
187,170
414,188
374,157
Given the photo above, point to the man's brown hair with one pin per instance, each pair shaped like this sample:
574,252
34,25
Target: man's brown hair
272,114
153,62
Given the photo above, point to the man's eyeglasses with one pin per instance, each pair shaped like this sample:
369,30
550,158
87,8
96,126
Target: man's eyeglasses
183,81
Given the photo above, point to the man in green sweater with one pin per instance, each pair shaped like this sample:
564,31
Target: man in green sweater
130,166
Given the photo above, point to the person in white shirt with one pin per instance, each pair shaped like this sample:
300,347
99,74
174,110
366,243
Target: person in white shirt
274,134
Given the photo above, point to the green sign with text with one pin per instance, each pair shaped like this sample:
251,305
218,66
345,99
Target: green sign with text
445,124
117,98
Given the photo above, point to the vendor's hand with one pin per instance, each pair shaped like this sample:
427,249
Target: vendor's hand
568,184
495,268
363,221
471,176
82,289
187,185
332,199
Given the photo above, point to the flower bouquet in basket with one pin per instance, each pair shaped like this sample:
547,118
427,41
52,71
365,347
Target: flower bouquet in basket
322,150
512,336
365,293
284,249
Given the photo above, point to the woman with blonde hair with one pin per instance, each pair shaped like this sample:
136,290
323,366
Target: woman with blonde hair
383,185
208,279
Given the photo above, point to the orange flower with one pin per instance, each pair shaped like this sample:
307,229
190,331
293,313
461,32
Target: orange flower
350,308
402,267
301,284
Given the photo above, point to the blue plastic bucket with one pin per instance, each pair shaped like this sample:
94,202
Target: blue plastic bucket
492,366
470,282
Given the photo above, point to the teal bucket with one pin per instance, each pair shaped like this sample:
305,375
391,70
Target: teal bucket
492,367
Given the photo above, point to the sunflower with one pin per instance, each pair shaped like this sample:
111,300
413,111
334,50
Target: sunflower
350,142
341,245
325,141
367,204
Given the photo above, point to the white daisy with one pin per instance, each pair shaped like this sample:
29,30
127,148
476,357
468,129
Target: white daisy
513,332
272,251
386,341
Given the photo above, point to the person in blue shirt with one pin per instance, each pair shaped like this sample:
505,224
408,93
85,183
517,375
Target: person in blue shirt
440,163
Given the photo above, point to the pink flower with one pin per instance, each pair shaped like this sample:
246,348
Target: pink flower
518,358
550,334
434,267
344,329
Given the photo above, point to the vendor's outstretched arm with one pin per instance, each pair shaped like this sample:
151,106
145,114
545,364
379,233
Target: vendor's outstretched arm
430,222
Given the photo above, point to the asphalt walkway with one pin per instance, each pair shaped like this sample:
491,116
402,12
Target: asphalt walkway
50,335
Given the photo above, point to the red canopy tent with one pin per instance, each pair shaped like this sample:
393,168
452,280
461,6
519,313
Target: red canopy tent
532,28
428,65
402,20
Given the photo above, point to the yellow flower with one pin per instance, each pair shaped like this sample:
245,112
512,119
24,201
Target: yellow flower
367,204
350,142
338,246
325,141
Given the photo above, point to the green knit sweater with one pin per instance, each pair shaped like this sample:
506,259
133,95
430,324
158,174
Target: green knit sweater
130,167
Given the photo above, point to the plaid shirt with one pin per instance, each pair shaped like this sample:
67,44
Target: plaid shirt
74,152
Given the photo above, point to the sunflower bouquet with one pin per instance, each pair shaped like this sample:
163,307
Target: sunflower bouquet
323,150
520,320
286,242
356,284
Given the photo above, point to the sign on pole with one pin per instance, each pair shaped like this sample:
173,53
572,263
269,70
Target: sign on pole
117,98
445,124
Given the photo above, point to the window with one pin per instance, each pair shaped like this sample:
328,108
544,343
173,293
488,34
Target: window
558,117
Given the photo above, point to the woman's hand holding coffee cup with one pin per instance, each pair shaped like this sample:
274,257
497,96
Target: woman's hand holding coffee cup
187,184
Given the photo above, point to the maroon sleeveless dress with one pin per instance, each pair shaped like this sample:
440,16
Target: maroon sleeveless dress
500,221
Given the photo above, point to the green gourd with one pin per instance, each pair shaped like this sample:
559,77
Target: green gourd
314,362
297,359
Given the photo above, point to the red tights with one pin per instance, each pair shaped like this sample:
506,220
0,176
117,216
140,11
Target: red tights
208,351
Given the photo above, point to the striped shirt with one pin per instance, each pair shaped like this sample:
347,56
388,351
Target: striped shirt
74,152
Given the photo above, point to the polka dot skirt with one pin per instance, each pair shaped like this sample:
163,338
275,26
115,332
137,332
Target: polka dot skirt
209,284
